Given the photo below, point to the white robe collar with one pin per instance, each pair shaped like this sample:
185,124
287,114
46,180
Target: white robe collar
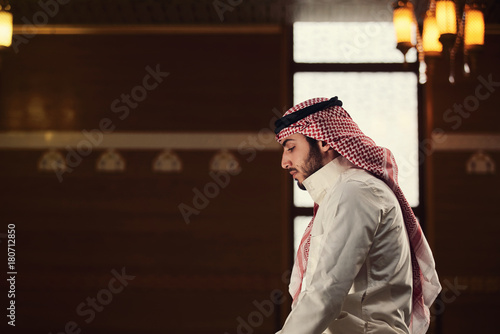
324,178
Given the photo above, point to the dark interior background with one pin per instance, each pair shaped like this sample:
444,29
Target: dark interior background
218,273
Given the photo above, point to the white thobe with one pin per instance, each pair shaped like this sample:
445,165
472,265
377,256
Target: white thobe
358,277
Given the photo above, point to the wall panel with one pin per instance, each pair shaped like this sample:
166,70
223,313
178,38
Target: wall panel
189,278
463,207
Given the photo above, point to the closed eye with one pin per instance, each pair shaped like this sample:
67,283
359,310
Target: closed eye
290,149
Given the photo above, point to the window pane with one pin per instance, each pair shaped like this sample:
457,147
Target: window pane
347,42
301,197
384,105
299,226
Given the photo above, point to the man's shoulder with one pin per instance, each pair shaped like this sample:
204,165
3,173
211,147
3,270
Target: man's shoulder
360,177
357,181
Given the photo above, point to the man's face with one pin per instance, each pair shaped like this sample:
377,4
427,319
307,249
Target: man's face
300,157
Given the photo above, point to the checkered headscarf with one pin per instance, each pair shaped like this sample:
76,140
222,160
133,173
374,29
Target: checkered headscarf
334,126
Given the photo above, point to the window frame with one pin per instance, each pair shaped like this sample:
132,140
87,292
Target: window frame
412,67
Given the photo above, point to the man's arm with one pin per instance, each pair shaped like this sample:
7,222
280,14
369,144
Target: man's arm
346,240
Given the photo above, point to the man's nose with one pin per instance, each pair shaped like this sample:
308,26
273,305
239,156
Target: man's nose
285,162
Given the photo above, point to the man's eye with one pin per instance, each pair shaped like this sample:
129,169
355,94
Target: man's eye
290,149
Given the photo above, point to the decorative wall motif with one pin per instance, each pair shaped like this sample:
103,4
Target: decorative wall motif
480,163
166,158
225,161
167,162
52,160
110,161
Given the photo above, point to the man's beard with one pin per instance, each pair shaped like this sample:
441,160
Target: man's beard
314,163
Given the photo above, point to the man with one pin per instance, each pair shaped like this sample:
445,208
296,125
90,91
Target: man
363,265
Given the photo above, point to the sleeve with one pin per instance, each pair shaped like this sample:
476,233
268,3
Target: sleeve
343,246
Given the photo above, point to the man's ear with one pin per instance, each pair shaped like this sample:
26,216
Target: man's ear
323,146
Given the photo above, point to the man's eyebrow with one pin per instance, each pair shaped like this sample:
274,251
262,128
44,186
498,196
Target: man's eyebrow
285,141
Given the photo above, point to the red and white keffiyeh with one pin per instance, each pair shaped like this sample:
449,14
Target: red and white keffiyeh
299,268
335,126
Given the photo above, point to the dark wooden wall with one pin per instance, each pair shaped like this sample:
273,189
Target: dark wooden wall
464,210
204,276
189,278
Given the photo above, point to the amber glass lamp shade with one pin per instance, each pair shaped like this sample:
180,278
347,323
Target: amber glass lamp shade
403,25
430,36
474,28
446,16
5,28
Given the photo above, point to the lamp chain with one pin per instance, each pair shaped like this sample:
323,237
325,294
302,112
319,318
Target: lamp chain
454,50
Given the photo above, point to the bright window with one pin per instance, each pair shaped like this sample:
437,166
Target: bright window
383,104
380,94
299,225
347,42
